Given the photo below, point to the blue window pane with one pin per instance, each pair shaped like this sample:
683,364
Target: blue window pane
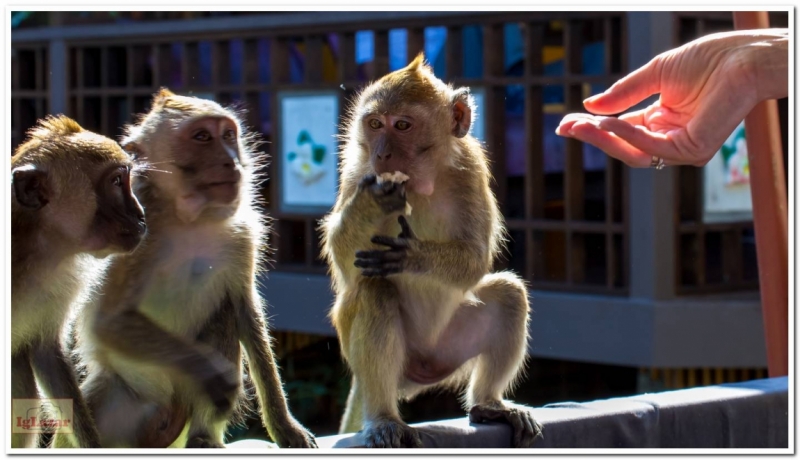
398,49
472,37
204,62
435,39
236,59
263,60
365,46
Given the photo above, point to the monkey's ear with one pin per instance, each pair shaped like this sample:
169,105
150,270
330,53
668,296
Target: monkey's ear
418,62
462,111
30,187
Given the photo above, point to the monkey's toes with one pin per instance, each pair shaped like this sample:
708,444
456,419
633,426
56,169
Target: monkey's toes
202,442
391,433
526,430
295,437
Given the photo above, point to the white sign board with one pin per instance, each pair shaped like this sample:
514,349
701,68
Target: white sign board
726,182
308,156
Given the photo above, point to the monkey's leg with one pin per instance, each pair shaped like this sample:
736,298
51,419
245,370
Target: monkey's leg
502,359
353,417
279,422
376,352
207,427
23,386
55,374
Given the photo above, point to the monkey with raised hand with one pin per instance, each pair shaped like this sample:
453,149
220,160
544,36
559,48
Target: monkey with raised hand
71,204
410,244
162,340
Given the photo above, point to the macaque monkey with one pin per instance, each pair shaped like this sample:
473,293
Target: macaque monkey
416,305
71,202
162,340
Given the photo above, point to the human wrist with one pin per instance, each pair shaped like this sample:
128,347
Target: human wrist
771,64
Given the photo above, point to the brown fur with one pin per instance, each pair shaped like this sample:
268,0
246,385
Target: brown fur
71,200
426,312
166,334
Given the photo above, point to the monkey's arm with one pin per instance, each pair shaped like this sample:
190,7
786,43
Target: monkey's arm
133,334
354,218
461,263
57,378
281,426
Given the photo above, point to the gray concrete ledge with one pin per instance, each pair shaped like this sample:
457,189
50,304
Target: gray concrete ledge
750,414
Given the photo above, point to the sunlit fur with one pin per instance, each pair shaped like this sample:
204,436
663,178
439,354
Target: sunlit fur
444,313
51,265
188,295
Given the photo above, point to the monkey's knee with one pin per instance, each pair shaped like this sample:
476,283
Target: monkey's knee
507,290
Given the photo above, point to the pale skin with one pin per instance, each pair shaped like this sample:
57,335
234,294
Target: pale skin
706,89
416,305
163,342
71,206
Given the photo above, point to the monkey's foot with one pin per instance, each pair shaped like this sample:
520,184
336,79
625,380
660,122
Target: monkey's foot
202,442
390,433
293,436
525,428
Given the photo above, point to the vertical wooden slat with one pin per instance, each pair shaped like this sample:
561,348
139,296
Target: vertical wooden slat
534,145
129,80
732,263
610,178
380,64
415,43
706,376
79,84
104,64
347,61
770,219
221,65
313,61
454,62
573,168
250,62
279,63
495,107
39,53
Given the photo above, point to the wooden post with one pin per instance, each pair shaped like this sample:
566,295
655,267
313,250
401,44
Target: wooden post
767,184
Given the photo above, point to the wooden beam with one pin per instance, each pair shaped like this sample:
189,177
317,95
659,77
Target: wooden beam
768,189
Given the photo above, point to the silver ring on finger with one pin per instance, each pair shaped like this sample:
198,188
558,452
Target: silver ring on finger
657,163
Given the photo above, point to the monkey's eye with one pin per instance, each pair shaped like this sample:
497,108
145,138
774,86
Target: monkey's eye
116,181
202,136
375,124
228,136
402,125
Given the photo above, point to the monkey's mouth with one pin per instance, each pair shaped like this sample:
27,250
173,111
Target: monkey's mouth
221,192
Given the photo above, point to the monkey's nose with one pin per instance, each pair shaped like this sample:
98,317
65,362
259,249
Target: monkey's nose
385,156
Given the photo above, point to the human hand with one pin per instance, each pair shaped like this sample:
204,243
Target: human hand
706,88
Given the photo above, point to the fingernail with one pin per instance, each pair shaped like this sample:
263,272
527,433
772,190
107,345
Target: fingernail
592,98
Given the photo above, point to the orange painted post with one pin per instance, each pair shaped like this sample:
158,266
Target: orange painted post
770,215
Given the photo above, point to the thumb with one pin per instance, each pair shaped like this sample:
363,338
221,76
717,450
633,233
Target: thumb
628,91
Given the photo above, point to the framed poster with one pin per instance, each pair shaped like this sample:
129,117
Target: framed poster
726,182
307,151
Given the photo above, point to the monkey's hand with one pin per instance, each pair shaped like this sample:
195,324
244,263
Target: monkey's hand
390,196
385,262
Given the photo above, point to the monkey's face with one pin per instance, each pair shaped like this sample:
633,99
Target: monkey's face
407,122
79,189
206,167
405,139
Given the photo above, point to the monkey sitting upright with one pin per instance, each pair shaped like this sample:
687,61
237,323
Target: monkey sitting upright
425,312
71,200
161,340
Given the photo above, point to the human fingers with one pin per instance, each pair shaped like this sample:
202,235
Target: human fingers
628,91
648,142
571,118
590,133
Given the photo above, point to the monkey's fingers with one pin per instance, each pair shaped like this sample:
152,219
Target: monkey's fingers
367,180
381,255
406,232
381,272
394,243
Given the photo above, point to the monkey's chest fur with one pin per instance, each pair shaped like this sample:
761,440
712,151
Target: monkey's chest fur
190,281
